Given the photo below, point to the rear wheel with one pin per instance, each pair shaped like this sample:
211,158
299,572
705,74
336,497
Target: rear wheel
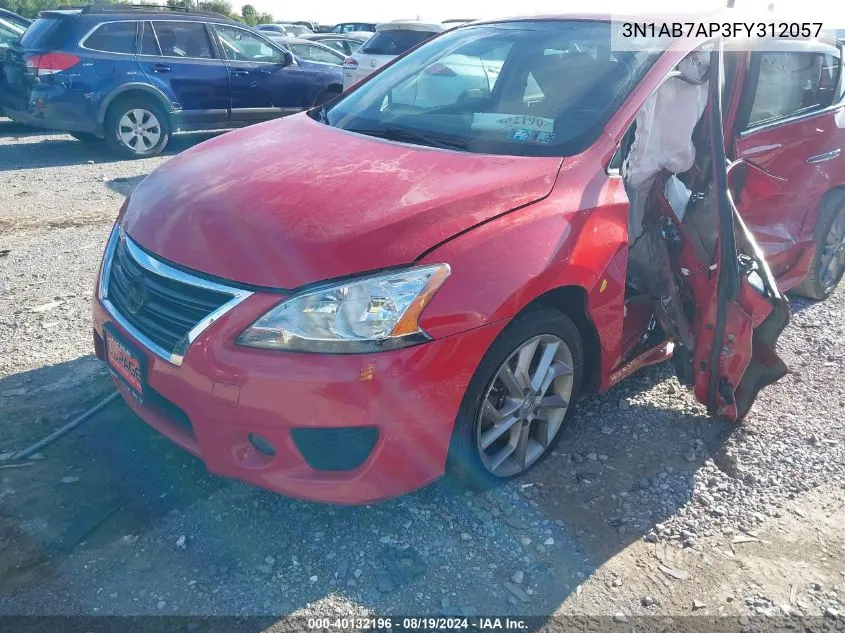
137,127
518,401
828,265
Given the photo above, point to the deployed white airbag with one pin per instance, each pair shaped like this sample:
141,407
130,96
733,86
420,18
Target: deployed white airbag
664,132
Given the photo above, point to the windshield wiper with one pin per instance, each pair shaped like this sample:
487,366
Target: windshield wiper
411,136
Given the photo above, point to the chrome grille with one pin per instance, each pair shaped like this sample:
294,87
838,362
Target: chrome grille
165,308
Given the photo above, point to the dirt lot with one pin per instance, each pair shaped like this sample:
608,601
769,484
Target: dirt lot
648,507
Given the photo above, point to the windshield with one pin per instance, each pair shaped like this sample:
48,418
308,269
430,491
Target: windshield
43,33
296,29
519,88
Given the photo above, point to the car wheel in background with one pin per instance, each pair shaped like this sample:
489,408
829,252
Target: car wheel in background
828,265
137,127
327,95
85,137
518,401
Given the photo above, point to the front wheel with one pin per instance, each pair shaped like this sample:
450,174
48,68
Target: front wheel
828,265
136,127
518,401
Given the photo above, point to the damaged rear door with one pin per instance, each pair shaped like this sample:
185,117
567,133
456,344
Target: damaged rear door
783,133
739,310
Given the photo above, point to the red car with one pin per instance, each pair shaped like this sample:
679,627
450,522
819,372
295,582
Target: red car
423,275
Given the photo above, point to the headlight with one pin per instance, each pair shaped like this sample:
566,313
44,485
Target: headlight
365,315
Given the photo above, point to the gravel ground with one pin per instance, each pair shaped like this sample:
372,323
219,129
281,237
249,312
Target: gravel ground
647,507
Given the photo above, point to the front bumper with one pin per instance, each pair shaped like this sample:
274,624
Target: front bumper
401,406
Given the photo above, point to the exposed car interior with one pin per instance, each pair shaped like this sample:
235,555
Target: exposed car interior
663,142
690,254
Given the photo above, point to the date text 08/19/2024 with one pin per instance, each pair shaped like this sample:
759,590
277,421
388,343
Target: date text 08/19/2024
419,623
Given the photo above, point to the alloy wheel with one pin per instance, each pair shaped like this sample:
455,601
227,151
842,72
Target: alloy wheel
525,405
139,130
832,260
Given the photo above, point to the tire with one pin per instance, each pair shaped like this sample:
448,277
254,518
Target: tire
468,462
85,137
327,95
821,281
143,116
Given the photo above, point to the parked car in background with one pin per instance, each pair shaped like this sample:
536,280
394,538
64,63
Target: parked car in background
12,26
390,40
297,29
314,27
283,28
307,51
346,43
351,27
135,76
271,28
348,334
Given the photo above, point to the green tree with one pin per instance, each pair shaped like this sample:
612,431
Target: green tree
218,6
249,14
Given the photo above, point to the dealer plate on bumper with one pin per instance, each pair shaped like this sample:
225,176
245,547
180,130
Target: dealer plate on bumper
126,361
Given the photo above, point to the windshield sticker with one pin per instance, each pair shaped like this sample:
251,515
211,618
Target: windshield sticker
524,135
492,122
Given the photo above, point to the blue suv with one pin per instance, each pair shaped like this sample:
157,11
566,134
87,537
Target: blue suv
135,76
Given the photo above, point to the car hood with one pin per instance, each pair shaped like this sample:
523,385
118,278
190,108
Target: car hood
293,201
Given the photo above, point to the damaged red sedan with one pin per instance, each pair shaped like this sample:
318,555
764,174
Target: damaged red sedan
423,275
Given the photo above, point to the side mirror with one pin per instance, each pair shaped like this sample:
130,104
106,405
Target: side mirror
288,58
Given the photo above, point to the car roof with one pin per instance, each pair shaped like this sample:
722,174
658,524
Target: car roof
409,25
139,12
352,35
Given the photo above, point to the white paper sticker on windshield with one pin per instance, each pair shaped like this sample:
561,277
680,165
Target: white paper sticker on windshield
492,122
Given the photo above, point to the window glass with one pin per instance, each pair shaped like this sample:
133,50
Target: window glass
183,39
45,33
334,44
316,54
394,42
9,33
457,74
296,29
793,82
113,37
528,88
149,45
242,46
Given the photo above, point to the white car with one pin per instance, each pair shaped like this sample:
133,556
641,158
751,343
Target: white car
390,40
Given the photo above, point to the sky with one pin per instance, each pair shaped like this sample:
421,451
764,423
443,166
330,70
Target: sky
333,11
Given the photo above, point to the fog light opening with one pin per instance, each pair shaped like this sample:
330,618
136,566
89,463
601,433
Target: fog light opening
261,445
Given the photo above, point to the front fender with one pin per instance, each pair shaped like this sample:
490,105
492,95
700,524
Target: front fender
500,267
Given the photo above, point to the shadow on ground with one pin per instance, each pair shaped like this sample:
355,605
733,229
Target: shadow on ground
62,150
115,519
